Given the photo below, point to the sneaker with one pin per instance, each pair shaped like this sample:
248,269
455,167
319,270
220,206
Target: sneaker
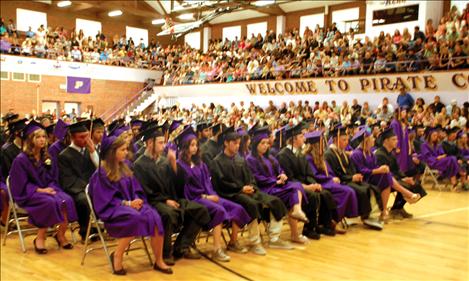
406,215
373,223
258,250
221,255
301,239
280,244
237,248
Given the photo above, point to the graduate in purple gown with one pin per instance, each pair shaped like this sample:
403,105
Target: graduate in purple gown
344,196
195,178
403,151
365,163
433,155
3,197
34,188
272,180
119,201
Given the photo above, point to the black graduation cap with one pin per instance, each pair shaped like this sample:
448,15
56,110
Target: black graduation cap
17,125
337,130
152,132
452,130
216,128
280,136
202,126
11,116
79,127
253,128
50,129
386,134
98,123
294,130
229,134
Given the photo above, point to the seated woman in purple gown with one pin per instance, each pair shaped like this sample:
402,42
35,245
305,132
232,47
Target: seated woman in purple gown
433,155
271,179
119,201
380,176
347,205
34,187
195,178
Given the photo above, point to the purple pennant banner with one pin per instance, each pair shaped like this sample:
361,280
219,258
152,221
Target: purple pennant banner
78,85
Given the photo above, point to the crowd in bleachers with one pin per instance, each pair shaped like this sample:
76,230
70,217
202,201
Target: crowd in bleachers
317,52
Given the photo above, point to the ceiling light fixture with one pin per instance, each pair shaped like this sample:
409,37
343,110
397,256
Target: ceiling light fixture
62,4
115,13
158,21
263,3
186,16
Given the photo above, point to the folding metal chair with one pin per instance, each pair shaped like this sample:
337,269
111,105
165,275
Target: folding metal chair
99,225
15,210
433,177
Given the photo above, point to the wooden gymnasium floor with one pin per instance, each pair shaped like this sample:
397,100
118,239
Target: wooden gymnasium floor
433,245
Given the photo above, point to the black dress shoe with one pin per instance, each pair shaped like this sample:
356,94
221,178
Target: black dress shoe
327,231
312,234
163,270
67,246
187,254
40,251
121,271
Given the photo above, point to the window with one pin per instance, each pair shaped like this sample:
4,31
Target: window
137,34
89,27
461,5
342,17
16,76
311,21
28,18
395,15
5,75
256,28
193,39
51,106
35,78
231,32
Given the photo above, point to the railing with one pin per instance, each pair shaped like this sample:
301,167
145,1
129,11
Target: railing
114,111
318,72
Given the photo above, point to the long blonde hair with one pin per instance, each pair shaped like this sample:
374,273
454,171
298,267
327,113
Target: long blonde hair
116,170
28,146
316,150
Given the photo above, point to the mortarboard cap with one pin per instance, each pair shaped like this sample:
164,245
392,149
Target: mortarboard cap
31,127
186,135
79,127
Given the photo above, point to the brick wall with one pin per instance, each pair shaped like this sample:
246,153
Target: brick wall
23,97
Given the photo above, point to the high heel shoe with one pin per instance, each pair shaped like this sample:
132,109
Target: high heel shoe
67,246
299,216
121,271
40,251
168,270
413,199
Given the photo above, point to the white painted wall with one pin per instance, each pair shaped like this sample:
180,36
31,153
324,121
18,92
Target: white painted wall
427,10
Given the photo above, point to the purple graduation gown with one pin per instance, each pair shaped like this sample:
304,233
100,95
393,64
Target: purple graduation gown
119,220
196,183
365,166
403,158
344,195
267,181
44,210
3,188
448,166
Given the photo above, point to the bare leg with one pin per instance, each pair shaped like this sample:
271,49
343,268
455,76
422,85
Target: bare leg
5,207
217,237
293,227
41,238
62,229
385,198
157,247
122,244
399,188
234,232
